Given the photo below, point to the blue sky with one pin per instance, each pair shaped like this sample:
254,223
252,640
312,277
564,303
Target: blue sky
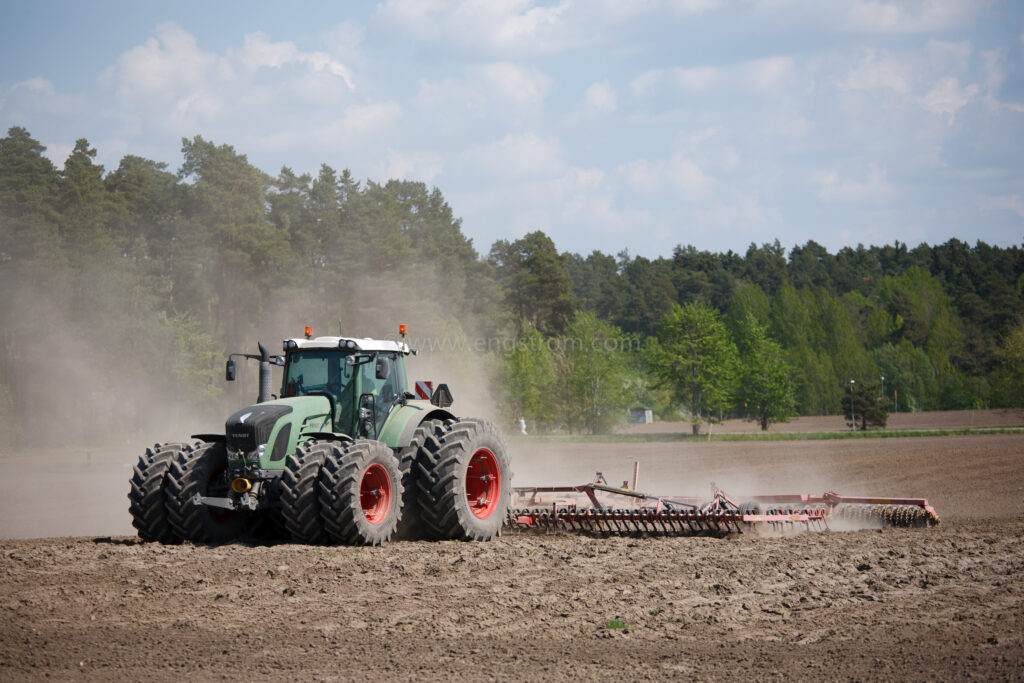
608,124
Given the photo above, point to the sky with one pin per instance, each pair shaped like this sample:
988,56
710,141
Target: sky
611,125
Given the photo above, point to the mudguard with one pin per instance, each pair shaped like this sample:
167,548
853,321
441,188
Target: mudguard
401,424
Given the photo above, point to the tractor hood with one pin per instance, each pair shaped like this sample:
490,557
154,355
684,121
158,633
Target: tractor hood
270,431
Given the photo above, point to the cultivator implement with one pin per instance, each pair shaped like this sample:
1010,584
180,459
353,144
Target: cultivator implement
598,508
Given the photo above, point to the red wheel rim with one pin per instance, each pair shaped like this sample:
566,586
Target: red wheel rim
375,494
483,483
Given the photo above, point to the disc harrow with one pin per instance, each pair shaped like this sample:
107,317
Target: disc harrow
599,509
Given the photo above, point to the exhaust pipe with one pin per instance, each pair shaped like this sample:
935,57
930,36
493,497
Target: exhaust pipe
265,374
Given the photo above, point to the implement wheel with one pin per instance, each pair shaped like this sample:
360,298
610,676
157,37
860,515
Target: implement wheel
465,481
300,504
202,469
146,495
361,494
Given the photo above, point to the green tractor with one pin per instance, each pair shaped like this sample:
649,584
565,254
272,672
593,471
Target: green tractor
347,455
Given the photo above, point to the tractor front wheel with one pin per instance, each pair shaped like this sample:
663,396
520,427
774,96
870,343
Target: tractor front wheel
361,494
465,481
146,494
300,505
202,469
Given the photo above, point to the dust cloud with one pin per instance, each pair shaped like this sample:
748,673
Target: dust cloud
87,396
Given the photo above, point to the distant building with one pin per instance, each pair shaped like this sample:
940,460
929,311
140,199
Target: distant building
641,416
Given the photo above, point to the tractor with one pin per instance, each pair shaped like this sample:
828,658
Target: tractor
346,454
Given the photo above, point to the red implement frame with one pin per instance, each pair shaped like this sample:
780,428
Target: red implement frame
596,506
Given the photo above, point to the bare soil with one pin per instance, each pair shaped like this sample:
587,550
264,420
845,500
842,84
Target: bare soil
944,603
816,424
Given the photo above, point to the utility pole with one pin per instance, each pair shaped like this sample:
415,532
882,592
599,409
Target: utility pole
853,416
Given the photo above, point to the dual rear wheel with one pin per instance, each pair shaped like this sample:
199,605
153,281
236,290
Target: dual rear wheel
463,481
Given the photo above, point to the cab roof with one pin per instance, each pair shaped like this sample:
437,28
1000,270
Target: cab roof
364,344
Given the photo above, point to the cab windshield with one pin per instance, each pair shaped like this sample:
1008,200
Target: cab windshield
324,371
319,371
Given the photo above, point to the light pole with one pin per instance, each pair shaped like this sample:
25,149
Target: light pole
853,416
883,389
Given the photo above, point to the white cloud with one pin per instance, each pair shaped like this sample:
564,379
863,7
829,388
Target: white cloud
170,82
677,176
907,16
498,86
876,72
37,96
522,86
769,74
995,70
694,78
344,41
419,166
517,156
524,27
169,61
601,97
359,122
258,52
947,97
739,211
761,75
948,57
503,26
874,189
1012,203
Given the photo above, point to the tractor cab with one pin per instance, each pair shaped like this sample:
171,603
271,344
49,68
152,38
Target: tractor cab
363,379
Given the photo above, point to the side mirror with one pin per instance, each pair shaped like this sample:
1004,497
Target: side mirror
229,370
381,368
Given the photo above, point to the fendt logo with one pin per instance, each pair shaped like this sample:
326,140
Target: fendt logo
244,418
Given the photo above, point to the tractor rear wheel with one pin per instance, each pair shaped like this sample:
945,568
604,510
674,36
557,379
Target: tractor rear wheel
361,494
465,481
300,505
146,495
410,526
202,469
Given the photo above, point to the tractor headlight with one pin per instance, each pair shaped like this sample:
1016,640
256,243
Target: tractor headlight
290,344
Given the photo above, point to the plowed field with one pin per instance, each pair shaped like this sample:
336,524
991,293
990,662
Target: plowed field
920,604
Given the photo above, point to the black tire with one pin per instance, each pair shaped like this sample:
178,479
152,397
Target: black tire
300,504
464,481
361,494
410,526
146,495
201,469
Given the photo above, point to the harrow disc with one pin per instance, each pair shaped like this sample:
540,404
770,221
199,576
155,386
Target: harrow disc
886,514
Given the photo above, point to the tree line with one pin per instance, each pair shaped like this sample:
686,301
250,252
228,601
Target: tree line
137,280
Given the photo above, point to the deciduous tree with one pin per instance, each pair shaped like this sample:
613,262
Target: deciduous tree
695,357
